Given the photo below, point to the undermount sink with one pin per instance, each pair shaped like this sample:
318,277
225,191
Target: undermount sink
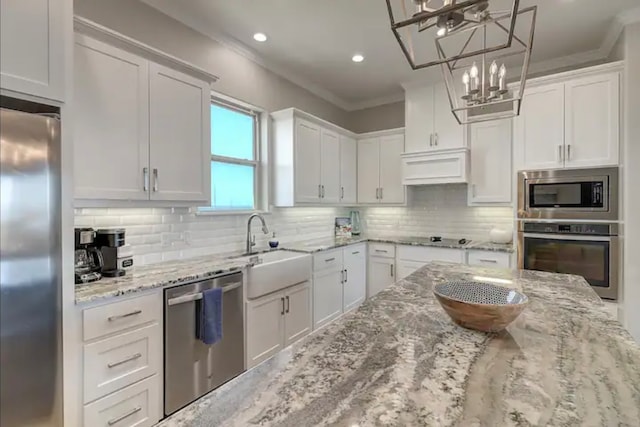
271,271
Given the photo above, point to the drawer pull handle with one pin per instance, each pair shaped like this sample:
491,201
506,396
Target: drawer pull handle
123,416
123,361
382,250
355,253
329,259
488,260
122,316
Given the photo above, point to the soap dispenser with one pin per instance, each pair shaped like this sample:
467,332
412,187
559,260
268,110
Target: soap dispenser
273,242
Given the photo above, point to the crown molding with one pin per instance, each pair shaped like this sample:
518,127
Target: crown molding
376,102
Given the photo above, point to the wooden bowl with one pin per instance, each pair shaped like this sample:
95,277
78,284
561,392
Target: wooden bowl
480,306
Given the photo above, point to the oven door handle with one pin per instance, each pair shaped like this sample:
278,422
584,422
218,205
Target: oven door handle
580,237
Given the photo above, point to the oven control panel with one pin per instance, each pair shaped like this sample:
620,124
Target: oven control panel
594,229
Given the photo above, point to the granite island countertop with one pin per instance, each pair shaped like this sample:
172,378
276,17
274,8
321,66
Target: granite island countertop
399,360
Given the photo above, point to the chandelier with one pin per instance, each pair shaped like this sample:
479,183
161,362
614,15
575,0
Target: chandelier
476,48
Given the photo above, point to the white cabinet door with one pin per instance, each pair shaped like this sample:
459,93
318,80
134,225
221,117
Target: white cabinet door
265,327
448,132
490,144
354,289
381,274
391,188
32,38
307,162
592,117
297,313
406,268
330,164
419,119
539,130
368,170
179,128
111,126
348,170
327,297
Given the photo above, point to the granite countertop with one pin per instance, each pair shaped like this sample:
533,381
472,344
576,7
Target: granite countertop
157,276
320,245
399,360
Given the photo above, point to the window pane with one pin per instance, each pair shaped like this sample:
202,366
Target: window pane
231,133
232,186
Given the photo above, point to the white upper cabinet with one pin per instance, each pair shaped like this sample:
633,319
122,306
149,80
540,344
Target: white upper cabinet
180,136
391,188
330,165
348,170
419,119
314,162
142,131
490,164
380,169
429,123
539,129
369,170
592,121
32,39
307,162
111,126
572,122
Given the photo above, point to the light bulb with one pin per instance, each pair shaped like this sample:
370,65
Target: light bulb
502,81
442,31
503,71
465,78
493,69
493,78
474,71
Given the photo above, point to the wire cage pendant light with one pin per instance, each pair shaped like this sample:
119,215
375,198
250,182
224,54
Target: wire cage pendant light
475,47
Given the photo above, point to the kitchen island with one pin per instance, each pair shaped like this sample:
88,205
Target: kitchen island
399,360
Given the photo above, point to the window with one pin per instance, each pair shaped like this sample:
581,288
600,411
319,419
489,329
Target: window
234,157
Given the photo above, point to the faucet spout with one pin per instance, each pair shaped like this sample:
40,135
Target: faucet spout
250,242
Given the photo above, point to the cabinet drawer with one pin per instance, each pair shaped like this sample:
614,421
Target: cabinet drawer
119,361
137,405
355,251
427,254
329,260
489,259
384,250
110,318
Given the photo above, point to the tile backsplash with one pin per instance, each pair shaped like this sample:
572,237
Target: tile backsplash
161,234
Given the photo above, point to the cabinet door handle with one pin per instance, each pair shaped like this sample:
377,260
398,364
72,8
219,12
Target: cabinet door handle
121,316
282,300
560,159
568,151
323,191
431,140
145,179
123,361
381,193
155,180
377,193
342,276
342,192
319,191
391,270
436,138
346,275
288,303
116,420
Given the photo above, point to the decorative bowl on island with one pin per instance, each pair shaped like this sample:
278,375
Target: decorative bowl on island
480,306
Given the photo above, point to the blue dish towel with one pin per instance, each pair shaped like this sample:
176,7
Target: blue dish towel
211,316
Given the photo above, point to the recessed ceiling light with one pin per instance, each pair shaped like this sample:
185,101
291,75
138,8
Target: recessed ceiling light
260,37
357,58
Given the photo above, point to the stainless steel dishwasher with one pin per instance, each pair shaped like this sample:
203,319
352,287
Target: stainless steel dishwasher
192,368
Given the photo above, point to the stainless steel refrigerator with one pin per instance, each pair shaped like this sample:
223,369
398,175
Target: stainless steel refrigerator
30,268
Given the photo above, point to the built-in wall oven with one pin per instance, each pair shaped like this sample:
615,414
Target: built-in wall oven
591,250
575,194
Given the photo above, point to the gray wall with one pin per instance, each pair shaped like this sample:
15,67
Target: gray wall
387,116
240,77
631,179
617,53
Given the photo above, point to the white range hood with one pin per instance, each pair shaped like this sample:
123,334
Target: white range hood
436,167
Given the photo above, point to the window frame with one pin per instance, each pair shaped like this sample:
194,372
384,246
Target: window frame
256,114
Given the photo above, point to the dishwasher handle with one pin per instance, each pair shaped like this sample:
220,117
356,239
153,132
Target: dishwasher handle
198,296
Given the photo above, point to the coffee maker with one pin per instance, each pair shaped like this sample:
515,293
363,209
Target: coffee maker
88,260
117,257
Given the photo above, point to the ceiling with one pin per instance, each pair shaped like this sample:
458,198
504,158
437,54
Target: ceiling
312,42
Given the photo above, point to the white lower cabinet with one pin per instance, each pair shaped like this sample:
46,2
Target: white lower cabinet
406,268
488,258
381,272
277,320
135,406
354,289
412,258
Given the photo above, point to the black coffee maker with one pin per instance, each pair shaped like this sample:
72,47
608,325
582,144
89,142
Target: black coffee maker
88,259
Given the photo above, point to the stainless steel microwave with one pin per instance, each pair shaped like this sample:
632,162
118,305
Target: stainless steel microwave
582,194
